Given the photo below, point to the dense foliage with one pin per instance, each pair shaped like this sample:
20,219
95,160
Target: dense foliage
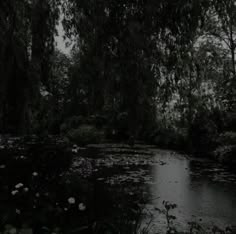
160,71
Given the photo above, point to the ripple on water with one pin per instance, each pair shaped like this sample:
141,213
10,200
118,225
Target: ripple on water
202,189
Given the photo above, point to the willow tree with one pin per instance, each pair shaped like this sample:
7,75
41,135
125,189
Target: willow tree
226,27
27,32
122,47
14,64
221,28
114,65
44,18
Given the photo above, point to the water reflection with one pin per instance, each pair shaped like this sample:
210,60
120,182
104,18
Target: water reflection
203,191
197,196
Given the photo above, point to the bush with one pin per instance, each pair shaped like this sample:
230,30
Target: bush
230,121
170,138
226,154
203,133
98,120
118,127
71,123
85,134
227,138
226,150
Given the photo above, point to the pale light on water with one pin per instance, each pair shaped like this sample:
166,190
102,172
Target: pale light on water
204,191
198,197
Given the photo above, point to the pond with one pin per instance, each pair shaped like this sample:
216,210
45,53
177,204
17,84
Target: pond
203,190
52,184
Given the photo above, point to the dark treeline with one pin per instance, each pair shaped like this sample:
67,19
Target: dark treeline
27,44
156,70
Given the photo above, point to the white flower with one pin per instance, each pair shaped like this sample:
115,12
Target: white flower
26,189
18,211
35,173
74,150
71,200
208,54
19,185
82,207
44,92
14,192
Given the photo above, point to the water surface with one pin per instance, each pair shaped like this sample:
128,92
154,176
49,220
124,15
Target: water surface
203,190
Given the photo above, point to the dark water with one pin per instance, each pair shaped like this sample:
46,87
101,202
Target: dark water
203,190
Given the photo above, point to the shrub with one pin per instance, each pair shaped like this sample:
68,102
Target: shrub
118,127
98,120
230,121
227,138
203,133
226,154
85,134
71,123
171,138
226,150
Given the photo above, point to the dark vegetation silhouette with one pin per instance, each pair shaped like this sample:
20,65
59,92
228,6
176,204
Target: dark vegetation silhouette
158,71
162,72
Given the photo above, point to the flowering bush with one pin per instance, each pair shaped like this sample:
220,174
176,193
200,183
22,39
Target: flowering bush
85,134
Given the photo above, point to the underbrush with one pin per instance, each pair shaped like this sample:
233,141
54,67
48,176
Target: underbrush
85,134
169,138
226,149
82,131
